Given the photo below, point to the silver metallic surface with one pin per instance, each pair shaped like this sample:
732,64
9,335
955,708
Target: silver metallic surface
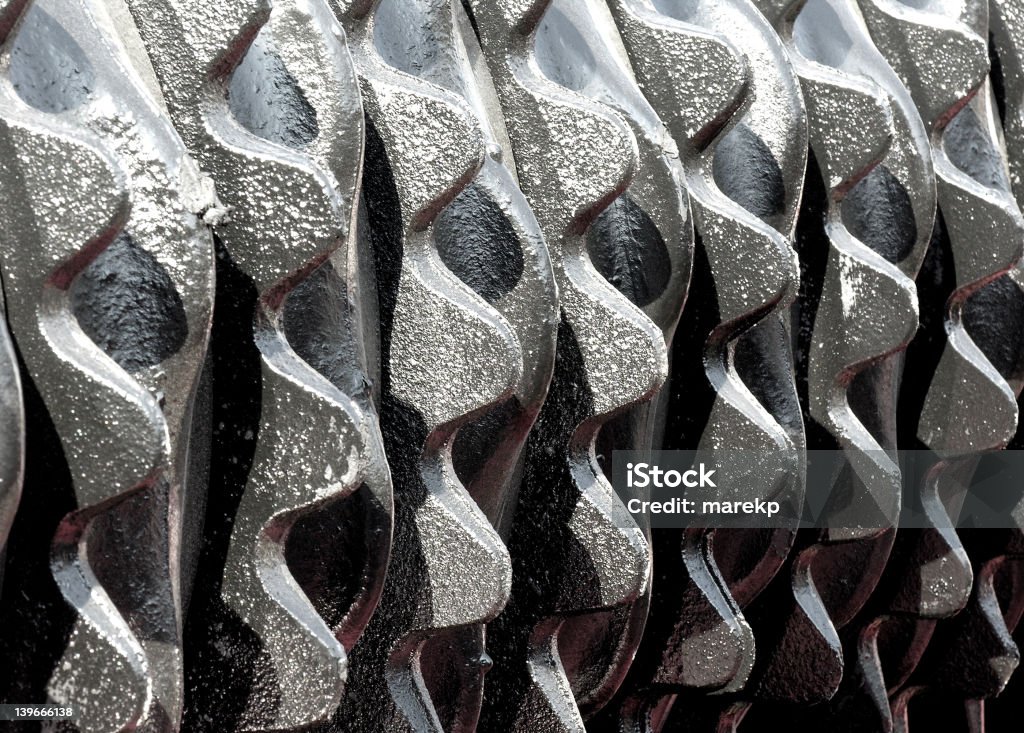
865,144
574,157
130,630
291,205
643,245
941,54
455,263
1006,24
744,107
945,85
488,237
889,203
12,442
45,247
927,574
449,358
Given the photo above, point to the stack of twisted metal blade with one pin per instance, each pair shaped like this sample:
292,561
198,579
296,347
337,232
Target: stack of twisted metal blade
322,321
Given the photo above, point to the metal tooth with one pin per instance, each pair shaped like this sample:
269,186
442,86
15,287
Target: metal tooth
974,653
114,436
867,313
773,114
642,244
450,358
489,238
665,54
1006,26
670,52
147,301
970,406
291,206
971,655
309,40
574,158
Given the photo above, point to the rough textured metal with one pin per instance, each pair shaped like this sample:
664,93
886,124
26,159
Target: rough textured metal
1006,29
575,156
970,406
664,65
994,613
721,81
867,152
642,244
151,316
883,225
944,62
77,372
449,359
12,442
488,237
288,172
1006,24
421,288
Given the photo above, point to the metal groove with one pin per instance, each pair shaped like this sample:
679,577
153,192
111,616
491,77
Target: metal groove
291,206
452,572
604,562
668,46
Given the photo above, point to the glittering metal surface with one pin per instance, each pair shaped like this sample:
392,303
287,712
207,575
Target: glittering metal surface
323,319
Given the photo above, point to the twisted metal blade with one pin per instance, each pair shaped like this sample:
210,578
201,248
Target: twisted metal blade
970,407
113,434
451,571
883,224
488,237
611,357
728,136
865,311
154,323
641,244
288,173
965,378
